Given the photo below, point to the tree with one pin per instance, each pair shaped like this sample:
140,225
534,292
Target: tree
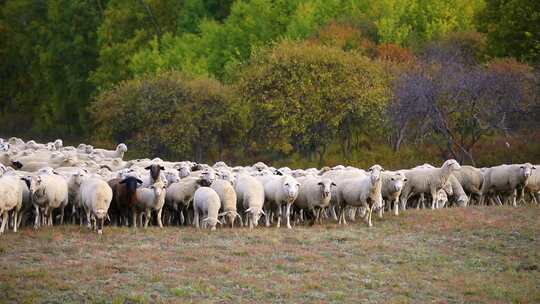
512,28
454,101
170,115
300,93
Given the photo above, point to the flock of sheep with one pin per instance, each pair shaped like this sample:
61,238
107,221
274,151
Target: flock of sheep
45,184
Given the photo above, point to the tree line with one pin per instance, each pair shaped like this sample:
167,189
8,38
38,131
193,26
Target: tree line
301,79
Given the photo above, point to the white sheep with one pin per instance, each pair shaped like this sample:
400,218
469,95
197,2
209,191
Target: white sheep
227,196
48,192
250,198
314,195
95,196
533,185
180,194
11,196
428,181
281,190
471,179
118,153
151,198
506,179
392,184
206,203
361,192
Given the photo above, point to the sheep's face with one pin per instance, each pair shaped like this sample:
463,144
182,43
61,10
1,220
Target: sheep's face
89,149
375,173
526,170
227,175
447,188
121,148
78,178
210,222
452,164
184,171
58,144
171,177
326,187
209,176
34,183
442,198
398,181
291,187
463,201
158,188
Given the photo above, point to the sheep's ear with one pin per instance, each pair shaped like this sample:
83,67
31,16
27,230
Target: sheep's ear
320,184
26,181
17,164
148,168
162,168
333,184
405,180
279,172
533,167
139,181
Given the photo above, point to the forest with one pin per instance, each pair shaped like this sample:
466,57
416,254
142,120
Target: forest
293,82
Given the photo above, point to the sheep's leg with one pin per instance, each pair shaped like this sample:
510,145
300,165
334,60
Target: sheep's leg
4,221
134,217
147,219
370,211
240,219
498,200
288,215
333,213
15,220
267,218
381,211
88,219
279,215
513,196
62,215
160,223
196,218
36,219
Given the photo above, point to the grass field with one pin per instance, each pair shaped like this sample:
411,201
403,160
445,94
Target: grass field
473,255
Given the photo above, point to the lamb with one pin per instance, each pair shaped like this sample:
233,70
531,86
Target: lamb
279,190
118,153
96,197
250,198
314,195
74,197
227,196
361,192
48,192
392,184
148,199
429,181
206,202
11,197
471,179
506,179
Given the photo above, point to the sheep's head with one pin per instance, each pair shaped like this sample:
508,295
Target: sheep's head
159,188
58,144
526,170
326,187
255,214
442,198
121,148
260,166
375,173
291,187
208,176
155,170
227,175
184,170
397,181
79,176
33,182
451,165
131,183
171,177
211,222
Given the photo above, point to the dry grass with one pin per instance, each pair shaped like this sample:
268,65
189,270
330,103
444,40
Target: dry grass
478,255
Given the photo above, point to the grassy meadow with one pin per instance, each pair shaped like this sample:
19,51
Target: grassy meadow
472,255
